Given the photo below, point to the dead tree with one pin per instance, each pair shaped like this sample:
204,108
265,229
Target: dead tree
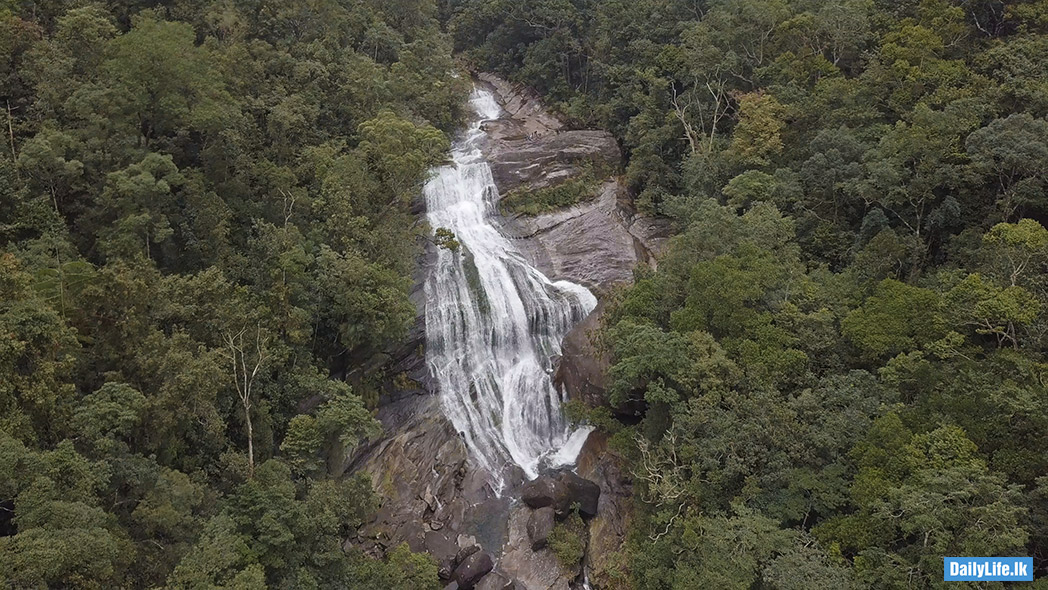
247,364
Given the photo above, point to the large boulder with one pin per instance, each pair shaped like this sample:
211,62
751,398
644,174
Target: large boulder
540,492
472,569
540,525
465,552
581,492
562,491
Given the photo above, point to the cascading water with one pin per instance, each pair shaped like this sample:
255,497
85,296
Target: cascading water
494,323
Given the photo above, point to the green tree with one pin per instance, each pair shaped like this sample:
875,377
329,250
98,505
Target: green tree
897,318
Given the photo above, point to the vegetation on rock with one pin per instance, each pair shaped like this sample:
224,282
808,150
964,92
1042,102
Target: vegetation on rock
535,201
567,540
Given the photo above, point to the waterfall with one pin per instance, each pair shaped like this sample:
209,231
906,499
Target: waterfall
494,323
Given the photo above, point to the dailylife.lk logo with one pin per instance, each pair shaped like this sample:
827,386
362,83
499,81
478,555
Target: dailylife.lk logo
988,569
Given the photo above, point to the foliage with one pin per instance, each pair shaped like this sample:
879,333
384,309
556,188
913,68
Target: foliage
567,540
205,220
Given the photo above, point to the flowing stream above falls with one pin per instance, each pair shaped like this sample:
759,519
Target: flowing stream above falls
494,323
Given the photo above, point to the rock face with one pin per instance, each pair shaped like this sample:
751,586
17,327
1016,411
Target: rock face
608,529
582,364
523,105
589,243
544,161
596,243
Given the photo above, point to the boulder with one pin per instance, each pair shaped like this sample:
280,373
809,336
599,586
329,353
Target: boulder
561,492
472,569
540,492
452,586
540,525
445,569
465,552
582,492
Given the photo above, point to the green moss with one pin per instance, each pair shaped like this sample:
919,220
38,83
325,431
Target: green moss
473,280
568,539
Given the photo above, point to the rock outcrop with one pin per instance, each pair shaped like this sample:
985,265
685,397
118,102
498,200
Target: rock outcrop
582,364
545,161
471,569
523,105
596,243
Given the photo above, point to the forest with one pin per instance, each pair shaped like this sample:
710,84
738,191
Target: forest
834,377
205,213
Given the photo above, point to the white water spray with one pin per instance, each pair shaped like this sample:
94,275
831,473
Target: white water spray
494,323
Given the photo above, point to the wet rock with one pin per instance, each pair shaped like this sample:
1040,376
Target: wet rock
495,581
472,569
540,525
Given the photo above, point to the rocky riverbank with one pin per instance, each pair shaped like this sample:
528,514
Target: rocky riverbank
432,497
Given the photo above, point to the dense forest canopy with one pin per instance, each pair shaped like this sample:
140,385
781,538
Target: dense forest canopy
834,378
205,211
839,362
